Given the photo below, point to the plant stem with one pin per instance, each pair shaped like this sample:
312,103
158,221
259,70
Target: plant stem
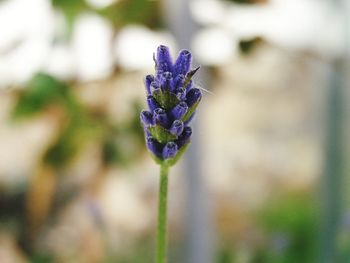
162,215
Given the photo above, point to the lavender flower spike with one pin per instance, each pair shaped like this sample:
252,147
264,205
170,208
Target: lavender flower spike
172,104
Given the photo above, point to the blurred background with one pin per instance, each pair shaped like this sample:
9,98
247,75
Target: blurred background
266,178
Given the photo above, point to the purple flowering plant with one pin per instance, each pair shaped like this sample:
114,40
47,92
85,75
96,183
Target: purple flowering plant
172,100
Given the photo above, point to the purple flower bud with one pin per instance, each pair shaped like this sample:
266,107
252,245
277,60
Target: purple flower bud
154,86
147,132
179,110
181,94
164,62
160,117
193,96
146,118
154,146
165,80
152,104
177,127
169,150
184,137
183,62
177,82
148,80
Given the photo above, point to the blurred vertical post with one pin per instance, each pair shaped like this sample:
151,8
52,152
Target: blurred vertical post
345,69
334,246
199,243
331,189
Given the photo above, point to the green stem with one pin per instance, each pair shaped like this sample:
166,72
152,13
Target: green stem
162,215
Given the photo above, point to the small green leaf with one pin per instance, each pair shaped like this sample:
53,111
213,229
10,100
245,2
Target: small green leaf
167,100
157,159
190,111
161,134
189,76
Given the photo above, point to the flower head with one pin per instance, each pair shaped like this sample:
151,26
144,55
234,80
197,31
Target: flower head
172,99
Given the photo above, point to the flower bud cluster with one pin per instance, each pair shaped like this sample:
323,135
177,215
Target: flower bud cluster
172,100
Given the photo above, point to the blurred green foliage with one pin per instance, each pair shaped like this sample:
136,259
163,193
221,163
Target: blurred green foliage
140,252
126,12
42,91
69,142
243,1
246,46
71,8
226,254
42,258
120,13
116,138
80,125
290,226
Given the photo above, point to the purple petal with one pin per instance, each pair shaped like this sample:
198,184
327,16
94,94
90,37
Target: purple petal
154,146
152,103
179,110
177,127
183,62
146,118
148,80
169,150
184,137
181,94
160,117
147,132
165,80
193,96
164,62
177,82
154,86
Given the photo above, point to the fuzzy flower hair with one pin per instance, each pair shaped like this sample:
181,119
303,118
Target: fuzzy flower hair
172,100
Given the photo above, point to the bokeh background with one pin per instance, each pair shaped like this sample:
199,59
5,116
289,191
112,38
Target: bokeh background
266,178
